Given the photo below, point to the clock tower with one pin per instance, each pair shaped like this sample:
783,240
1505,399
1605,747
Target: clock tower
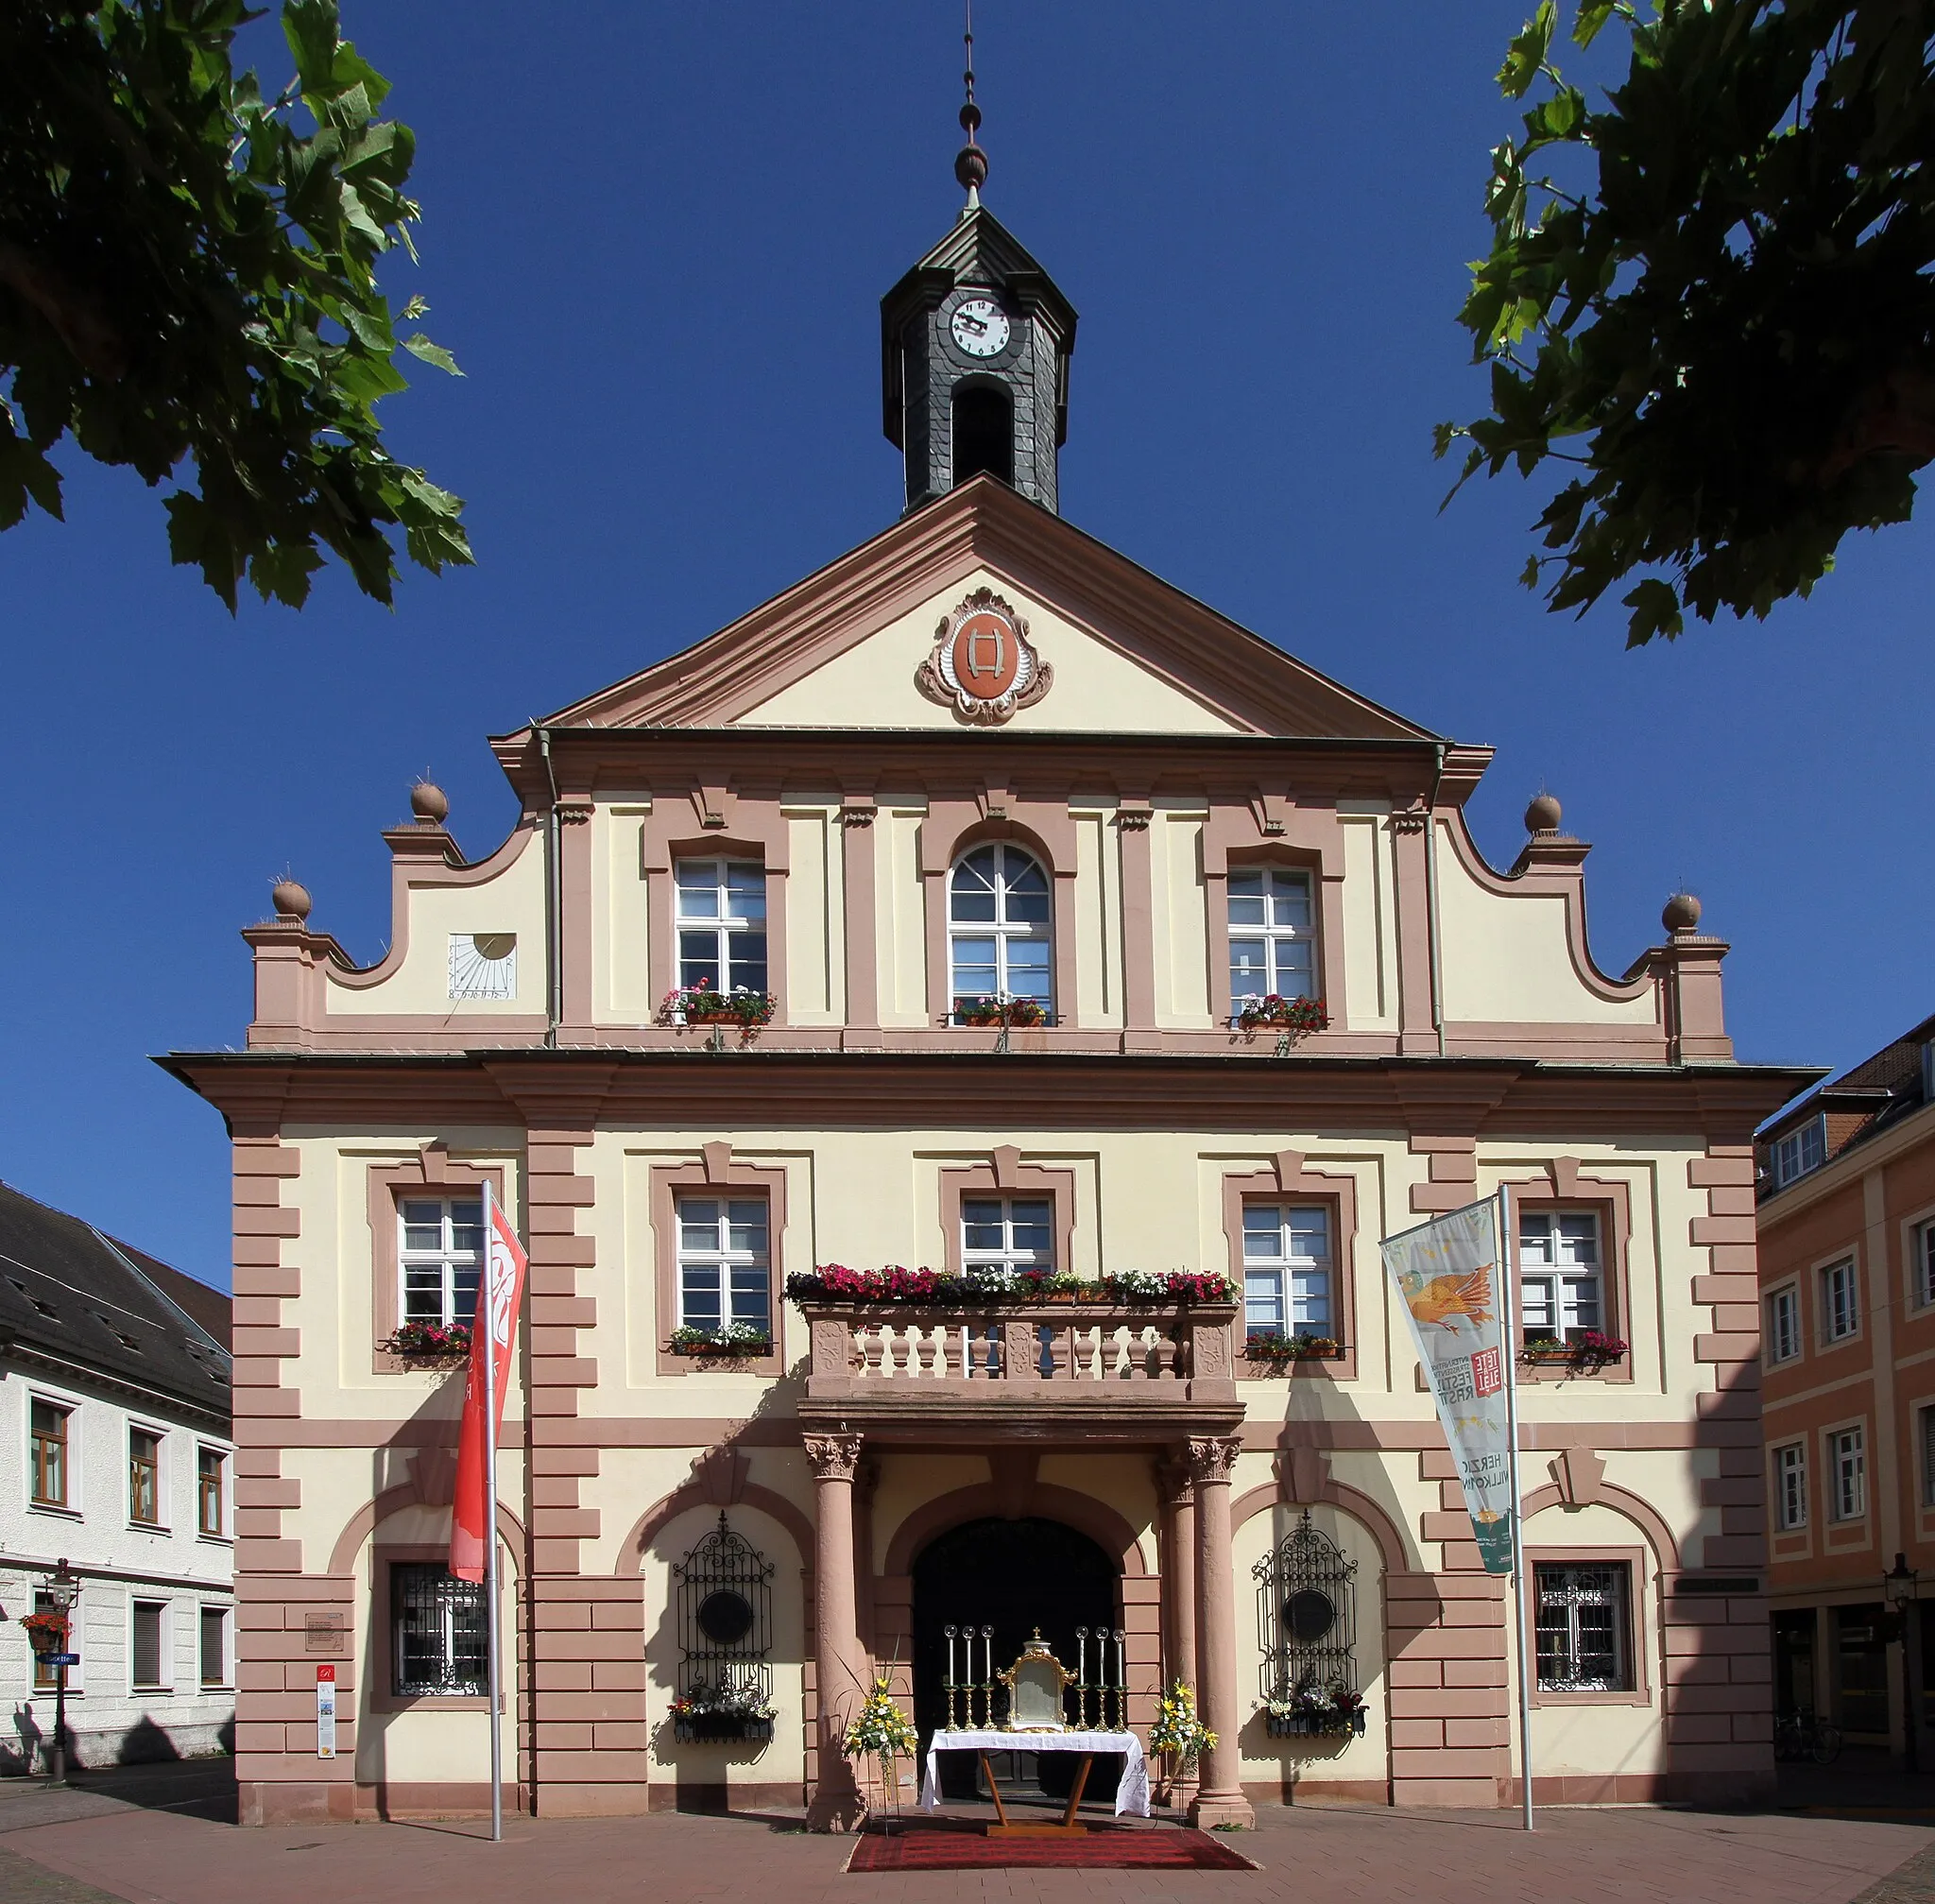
975,342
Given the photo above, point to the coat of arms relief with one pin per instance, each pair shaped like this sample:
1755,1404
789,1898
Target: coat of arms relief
983,664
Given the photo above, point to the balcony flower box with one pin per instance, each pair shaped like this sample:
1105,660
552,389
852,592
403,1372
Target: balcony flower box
1299,1017
895,1286
734,1342
428,1344
1585,1350
1271,1347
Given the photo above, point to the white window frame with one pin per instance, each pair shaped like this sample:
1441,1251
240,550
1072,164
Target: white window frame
159,1524
1847,1470
1005,1258
731,916
1839,1283
447,1257
1621,1678
733,1269
1280,942
1282,1287
1785,1334
1789,1485
1560,1291
1004,931
1794,1156
1922,1261
163,1643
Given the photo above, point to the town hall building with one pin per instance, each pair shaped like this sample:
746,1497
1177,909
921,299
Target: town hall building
983,906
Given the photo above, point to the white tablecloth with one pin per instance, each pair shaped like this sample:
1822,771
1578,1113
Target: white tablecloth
1131,1793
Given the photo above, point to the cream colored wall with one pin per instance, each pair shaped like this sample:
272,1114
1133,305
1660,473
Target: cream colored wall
899,914
621,928
815,917
1370,917
1180,920
1096,688
1505,957
1098,916
512,902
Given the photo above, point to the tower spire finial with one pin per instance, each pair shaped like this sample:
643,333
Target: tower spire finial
970,162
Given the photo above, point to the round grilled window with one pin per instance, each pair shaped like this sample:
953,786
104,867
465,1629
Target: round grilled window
725,1618
1307,1613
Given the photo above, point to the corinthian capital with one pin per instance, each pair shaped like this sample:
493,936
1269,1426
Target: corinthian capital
833,1456
1211,1458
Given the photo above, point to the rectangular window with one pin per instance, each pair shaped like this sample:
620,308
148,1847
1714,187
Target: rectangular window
1001,1234
1784,1324
148,1652
1847,1454
1559,1273
722,924
1799,1152
47,1433
214,1645
209,1463
1924,1263
144,1477
1790,1485
44,1674
1581,1625
1841,1302
1271,938
724,1263
440,1245
1287,1286
1927,1416
439,1642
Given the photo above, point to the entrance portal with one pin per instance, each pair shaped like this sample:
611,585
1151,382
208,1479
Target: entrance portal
1015,1576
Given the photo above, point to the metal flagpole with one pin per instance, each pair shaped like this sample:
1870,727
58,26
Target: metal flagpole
1509,1310
486,1309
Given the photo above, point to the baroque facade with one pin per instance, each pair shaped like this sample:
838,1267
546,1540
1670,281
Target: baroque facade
1008,834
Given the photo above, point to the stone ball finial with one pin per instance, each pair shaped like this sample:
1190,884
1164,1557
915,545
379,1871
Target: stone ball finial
430,803
1543,815
290,899
1681,913
970,167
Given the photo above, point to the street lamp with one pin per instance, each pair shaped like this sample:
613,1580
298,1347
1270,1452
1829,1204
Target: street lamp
1900,1583
63,1589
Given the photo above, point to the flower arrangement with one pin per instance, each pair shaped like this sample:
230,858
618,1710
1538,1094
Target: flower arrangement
1336,1707
1177,1728
704,1004
723,1711
732,1338
1002,1008
1272,1345
1299,1017
46,1630
880,1727
428,1341
939,1289
1585,1348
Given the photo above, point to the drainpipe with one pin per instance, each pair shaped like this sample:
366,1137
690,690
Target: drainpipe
1432,898
554,973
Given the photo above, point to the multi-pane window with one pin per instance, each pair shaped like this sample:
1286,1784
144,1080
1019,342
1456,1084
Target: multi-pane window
1790,1485
1270,935
1287,1269
144,1477
1841,1301
440,1246
208,1489
1799,1152
1784,1324
999,940
1560,1278
44,1674
214,1646
1001,1234
150,1620
722,924
1924,1263
724,1263
1847,1457
1581,1625
47,1451
438,1638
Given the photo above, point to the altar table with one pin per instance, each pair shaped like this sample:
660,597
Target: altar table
1131,1793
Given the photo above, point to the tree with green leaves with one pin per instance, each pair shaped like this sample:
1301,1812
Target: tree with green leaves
1720,314
187,276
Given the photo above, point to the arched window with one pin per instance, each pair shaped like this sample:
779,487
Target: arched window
984,421
999,940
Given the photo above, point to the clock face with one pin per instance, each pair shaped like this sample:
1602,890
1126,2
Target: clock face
980,328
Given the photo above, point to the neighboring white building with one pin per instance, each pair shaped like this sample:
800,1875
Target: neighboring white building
114,1398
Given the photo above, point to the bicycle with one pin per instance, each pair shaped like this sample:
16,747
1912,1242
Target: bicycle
1800,1735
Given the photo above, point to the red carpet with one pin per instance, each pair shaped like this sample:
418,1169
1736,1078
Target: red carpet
950,1845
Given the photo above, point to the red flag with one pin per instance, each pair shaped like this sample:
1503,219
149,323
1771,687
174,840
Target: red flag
500,1295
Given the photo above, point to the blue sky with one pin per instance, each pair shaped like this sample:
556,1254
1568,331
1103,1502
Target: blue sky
656,239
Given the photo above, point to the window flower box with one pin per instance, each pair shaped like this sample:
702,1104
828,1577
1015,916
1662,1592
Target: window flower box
1311,1725
1299,1017
697,1005
733,1343
1273,1346
719,1728
1585,1351
992,1013
428,1344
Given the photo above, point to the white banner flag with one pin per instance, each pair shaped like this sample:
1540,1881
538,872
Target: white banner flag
1447,1275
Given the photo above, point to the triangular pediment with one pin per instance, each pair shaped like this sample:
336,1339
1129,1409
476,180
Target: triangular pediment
1129,654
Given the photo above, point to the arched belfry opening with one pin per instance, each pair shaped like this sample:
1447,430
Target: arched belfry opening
1014,1577
982,432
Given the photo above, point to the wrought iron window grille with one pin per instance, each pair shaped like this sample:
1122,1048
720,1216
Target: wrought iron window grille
1306,1632
724,1639
440,1642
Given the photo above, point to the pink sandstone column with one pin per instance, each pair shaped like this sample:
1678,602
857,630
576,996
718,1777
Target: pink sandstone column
837,1804
1219,1798
1178,1494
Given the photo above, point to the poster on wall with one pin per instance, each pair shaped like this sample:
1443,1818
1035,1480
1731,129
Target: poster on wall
1446,1273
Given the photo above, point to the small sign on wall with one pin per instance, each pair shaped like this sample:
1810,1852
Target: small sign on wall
324,1632
325,1713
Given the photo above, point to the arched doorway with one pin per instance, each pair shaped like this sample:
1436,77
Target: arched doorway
1012,1575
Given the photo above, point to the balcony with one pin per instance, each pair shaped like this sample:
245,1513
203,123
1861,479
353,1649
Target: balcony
1128,1374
